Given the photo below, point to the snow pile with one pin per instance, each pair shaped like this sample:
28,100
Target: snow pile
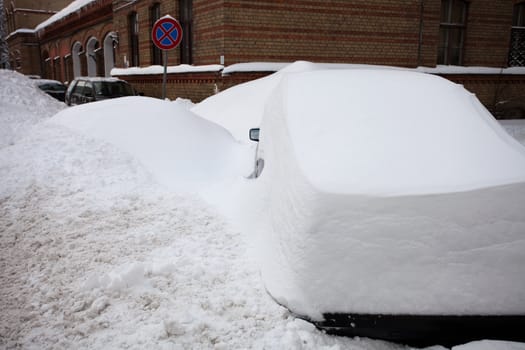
156,69
241,107
184,152
22,105
442,69
490,345
255,67
515,128
96,255
390,192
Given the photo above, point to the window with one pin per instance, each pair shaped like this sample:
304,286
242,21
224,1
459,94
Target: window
56,68
517,37
452,32
134,38
186,15
156,53
79,88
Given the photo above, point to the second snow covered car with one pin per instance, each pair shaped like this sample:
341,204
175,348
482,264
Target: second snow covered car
91,89
401,219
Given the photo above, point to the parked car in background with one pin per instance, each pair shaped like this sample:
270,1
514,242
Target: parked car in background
53,88
91,89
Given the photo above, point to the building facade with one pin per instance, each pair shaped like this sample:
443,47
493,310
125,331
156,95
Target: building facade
21,17
103,34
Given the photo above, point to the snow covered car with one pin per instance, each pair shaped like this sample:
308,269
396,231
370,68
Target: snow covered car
401,219
91,89
53,88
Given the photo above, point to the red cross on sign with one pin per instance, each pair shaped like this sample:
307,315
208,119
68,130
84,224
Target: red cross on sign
166,33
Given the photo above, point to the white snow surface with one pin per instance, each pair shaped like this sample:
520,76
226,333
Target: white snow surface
185,152
74,6
99,251
95,253
156,69
348,127
21,106
20,31
489,345
381,172
255,67
515,128
390,192
241,107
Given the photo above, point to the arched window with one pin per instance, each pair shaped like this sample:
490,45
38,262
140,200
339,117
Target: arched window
517,37
452,32
110,42
76,51
92,49
134,38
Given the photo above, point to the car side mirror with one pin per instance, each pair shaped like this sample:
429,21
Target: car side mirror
254,134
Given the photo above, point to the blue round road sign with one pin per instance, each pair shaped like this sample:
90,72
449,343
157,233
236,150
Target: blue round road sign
166,33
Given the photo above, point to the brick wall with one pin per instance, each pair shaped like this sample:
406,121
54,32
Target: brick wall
427,55
121,25
24,53
491,89
388,32
488,33
193,86
368,31
208,31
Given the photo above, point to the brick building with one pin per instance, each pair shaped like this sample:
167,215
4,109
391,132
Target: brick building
102,34
22,16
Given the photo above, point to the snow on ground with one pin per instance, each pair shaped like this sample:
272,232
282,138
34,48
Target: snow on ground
95,253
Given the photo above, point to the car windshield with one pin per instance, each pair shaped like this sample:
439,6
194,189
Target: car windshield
52,87
112,88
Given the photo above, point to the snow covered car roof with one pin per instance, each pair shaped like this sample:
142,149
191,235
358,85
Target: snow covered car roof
46,81
109,79
390,132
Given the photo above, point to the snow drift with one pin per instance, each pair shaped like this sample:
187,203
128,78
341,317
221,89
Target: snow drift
241,107
183,151
22,105
390,192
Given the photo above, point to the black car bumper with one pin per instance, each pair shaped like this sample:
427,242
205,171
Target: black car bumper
418,330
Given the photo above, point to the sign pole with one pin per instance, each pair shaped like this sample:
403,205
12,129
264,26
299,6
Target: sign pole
166,35
165,73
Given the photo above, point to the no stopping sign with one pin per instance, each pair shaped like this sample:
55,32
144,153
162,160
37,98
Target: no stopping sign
166,33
